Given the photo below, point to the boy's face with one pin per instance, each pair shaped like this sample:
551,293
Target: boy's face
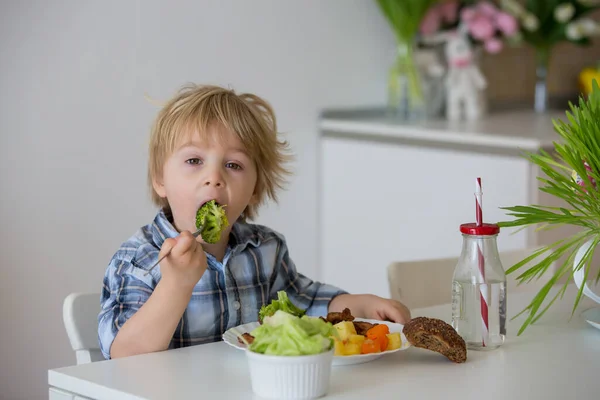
203,170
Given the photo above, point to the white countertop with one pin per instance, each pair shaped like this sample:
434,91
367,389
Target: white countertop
511,131
554,359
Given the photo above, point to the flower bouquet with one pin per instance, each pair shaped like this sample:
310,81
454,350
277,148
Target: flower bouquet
545,23
486,24
465,27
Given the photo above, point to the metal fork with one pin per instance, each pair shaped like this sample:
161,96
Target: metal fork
195,234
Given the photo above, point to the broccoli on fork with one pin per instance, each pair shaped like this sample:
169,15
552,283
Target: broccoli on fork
213,221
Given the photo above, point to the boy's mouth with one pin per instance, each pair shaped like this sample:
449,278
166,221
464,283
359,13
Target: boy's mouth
203,203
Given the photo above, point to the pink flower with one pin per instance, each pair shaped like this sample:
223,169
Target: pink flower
431,21
493,45
506,23
481,27
449,11
486,8
580,181
467,14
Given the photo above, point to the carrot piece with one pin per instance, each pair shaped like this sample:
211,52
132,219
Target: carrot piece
370,346
383,342
378,331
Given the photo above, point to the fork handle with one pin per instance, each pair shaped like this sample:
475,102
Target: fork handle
157,262
195,234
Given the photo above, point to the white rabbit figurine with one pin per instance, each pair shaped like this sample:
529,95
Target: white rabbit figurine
464,80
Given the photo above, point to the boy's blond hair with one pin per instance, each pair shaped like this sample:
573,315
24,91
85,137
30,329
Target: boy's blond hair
194,108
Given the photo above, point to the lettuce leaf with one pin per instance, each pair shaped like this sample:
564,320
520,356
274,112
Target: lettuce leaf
282,303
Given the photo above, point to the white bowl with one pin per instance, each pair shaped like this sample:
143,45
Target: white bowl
290,377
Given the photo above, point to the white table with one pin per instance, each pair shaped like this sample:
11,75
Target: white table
554,359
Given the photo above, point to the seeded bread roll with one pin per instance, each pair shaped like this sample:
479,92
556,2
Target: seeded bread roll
436,335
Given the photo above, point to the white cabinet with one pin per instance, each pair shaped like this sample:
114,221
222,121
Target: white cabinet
391,192
58,394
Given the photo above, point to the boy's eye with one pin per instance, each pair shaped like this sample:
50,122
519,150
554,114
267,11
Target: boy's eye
193,161
233,166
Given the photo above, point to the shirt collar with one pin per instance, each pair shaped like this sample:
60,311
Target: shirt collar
242,234
162,228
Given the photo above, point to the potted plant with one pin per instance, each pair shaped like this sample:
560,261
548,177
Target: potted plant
572,175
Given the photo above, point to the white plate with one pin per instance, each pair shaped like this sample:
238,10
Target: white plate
231,335
592,317
231,338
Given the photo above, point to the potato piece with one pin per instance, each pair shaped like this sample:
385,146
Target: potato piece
352,348
394,341
339,348
356,339
345,329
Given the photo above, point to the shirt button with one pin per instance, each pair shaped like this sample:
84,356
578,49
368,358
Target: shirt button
236,305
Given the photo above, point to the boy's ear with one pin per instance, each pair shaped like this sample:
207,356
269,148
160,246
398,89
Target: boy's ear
159,187
254,199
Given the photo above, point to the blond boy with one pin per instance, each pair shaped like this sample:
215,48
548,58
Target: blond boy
210,143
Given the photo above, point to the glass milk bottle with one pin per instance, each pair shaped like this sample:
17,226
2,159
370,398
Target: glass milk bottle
479,289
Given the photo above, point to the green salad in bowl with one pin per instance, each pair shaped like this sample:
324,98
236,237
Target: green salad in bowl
291,354
284,334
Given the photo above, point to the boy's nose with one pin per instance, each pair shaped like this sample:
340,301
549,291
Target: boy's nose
214,179
213,183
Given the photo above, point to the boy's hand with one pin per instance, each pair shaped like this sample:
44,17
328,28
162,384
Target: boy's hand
376,307
151,327
372,307
186,263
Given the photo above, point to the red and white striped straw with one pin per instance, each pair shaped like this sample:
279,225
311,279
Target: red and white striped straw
483,289
478,203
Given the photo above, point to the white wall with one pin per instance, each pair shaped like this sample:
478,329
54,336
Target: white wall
74,127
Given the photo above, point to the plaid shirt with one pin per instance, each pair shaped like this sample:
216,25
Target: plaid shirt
256,265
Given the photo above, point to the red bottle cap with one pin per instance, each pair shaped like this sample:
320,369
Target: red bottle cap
483,230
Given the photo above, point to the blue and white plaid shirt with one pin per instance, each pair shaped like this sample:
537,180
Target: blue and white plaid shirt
256,266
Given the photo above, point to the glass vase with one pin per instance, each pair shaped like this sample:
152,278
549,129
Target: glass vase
405,90
542,63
